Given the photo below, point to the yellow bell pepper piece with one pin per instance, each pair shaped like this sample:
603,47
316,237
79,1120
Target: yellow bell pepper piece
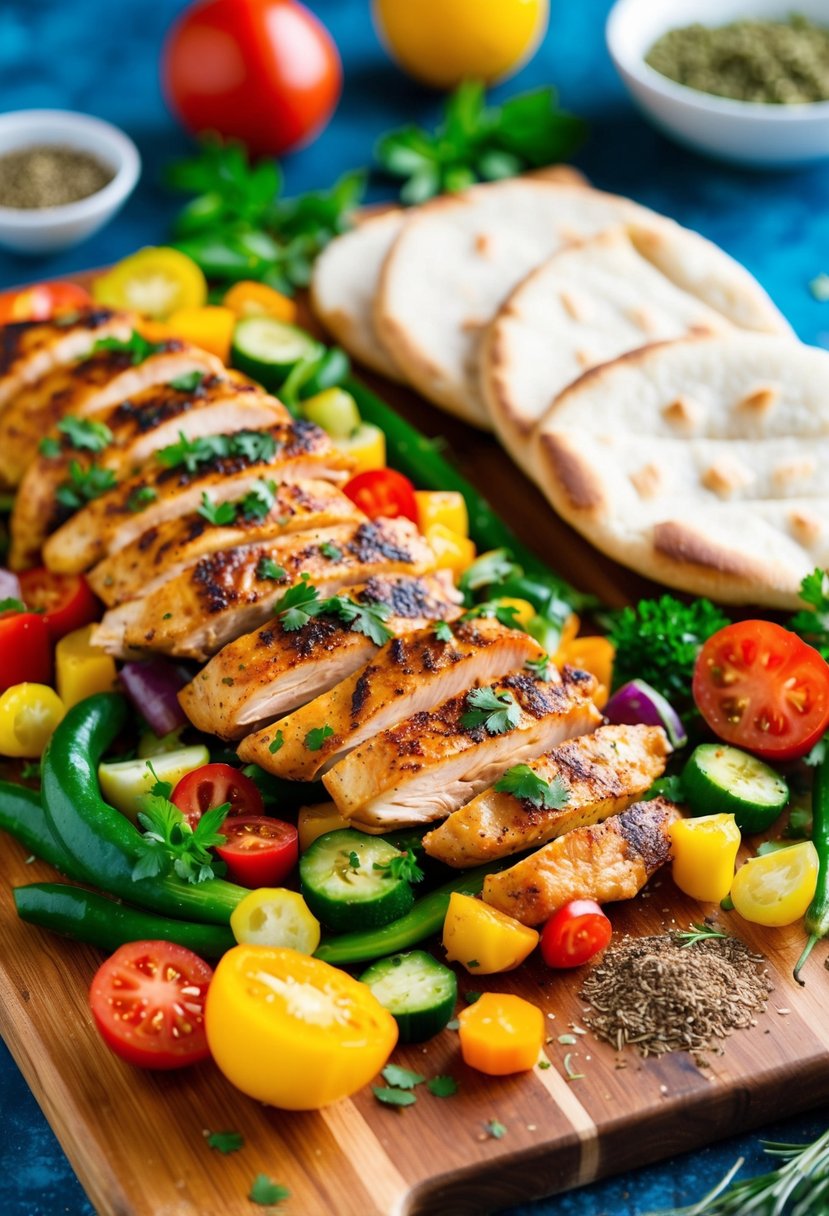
482,939
211,328
28,715
704,852
445,507
81,668
314,821
591,654
777,888
155,281
570,629
524,611
366,446
293,1031
501,1034
250,299
275,917
453,551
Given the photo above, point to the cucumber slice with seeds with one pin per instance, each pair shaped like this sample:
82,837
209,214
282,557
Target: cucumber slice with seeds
343,888
722,778
418,991
266,349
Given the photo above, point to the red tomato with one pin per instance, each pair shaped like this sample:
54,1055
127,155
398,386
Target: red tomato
212,785
762,688
25,650
574,934
147,1000
65,600
41,302
265,72
259,852
383,492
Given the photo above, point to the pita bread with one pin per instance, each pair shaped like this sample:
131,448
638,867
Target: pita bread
699,463
345,279
455,262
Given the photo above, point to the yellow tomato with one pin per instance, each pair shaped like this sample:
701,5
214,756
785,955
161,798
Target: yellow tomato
777,888
28,715
210,327
482,939
704,851
445,507
154,281
272,916
443,42
81,668
501,1034
452,551
366,447
291,1030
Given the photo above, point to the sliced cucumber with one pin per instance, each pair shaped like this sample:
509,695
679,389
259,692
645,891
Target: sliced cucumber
418,991
343,888
266,349
721,778
124,781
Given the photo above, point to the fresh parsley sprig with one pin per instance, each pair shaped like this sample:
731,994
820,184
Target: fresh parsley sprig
699,932
296,606
254,506
496,712
812,623
170,843
84,485
82,434
403,865
253,446
136,346
529,786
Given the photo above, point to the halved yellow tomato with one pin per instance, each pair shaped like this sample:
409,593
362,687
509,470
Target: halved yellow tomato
777,888
155,281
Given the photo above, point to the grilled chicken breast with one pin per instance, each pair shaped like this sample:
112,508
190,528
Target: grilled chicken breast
427,766
605,862
597,775
301,452
30,350
153,419
271,671
102,380
228,594
408,675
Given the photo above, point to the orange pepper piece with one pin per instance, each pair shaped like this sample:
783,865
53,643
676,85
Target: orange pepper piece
501,1034
250,299
591,654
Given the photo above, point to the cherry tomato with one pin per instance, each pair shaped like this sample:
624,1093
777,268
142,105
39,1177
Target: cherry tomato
762,688
212,785
65,600
265,72
259,852
25,650
41,302
148,999
574,934
383,492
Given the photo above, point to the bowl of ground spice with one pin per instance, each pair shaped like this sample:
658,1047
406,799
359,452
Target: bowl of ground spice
743,80
62,176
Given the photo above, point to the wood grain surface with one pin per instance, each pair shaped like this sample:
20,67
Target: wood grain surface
137,1140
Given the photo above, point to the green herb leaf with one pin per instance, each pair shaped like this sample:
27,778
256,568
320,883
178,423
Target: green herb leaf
404,866
401,1078
49,447
331,551
813,623
163,789
12,604
265,1192
297,605
267,568
219,513
189,382
495,1129
353,861
528,786
443,631
392,1096
276,743
498,713
667,787
194,452
368,619
505,614
84,485
542,668
659,640
169,842
226,1142
85,434
442,1087
140,498
258,501
700,932
135,345
317,736
257,447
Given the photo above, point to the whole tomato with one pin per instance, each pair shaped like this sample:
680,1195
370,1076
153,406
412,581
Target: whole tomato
265,72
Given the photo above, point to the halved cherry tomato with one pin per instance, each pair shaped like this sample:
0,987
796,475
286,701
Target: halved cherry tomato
574,934
25,650
41,302
148,999
259,852
212,785
383,492
762,688
65,600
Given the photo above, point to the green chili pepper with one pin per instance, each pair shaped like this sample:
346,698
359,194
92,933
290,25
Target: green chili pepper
103,844
817,917
87,916
22,816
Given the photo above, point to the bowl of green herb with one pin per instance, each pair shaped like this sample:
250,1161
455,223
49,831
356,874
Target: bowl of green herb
742,80
62,176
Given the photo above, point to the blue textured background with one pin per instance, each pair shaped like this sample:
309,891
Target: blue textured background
101,56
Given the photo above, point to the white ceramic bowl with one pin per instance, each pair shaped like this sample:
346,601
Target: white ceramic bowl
750,133
48,229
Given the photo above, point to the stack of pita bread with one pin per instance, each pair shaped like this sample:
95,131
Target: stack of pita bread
630,367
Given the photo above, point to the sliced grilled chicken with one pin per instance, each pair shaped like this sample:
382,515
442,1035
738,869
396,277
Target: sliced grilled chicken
596,775
30,350
409,675
426,767
605,862
271,671
166,551
85,388
153,419
228,594
302,452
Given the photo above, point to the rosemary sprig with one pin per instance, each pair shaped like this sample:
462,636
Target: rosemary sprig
699,932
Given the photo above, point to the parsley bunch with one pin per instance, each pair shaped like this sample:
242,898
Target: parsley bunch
658,641
496,712
300,603
812,623
169,842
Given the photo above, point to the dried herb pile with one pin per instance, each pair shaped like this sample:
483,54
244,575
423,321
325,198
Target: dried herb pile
31,178
665,995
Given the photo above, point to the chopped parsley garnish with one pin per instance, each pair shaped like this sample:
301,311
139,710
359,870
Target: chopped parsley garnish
85,434
258,501
49,447
297,605
162,789
140,498
189,382
265,1192
301,602
226,1142
666,787
332,552
542,668
495,1129
528,786
317,736
443,631
217,513
267,568
277,742
658,641
169,842
84,485
812,623
392,1096
135,345
353,861
496,712
12,604
442,1087
404,866
401,1078
255,446
505,614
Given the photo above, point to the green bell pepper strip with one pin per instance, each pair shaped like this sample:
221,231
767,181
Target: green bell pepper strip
22,816
89,917
103,843
817,916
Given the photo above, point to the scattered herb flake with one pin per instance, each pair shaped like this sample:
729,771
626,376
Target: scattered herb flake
140,498
276,743
226,1142
442,1087
258,502
353,861
542,668
49,447
544,1064
189,382
331,551
401,1078
404,866
217,513
84,485
317,736
266,568
265,1192
812,623
495,1129
135,345
392,1096
443,631
85,434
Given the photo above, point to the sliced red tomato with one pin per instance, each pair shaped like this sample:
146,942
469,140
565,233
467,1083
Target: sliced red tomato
575,933
762,688
383,493
213,785
147,1000
65,600
259,852
25,650
41,302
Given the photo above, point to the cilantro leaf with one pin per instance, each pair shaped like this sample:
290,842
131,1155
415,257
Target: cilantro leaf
141,497
505,614
658,641
368,619
401,1078
193,452
257,447
489,569
393,1096
85,434
317,736
49,447
162,788
666,787
443,631
498,713
136,345
265,1192
442,1087
258,501
812,623
218,513
189,382
267,568
495,1129
331,551
84,485
542,668
404,866
226,1142
297,605
528,786
276,743
169,842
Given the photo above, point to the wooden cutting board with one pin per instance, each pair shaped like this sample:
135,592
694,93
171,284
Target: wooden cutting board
137,1140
